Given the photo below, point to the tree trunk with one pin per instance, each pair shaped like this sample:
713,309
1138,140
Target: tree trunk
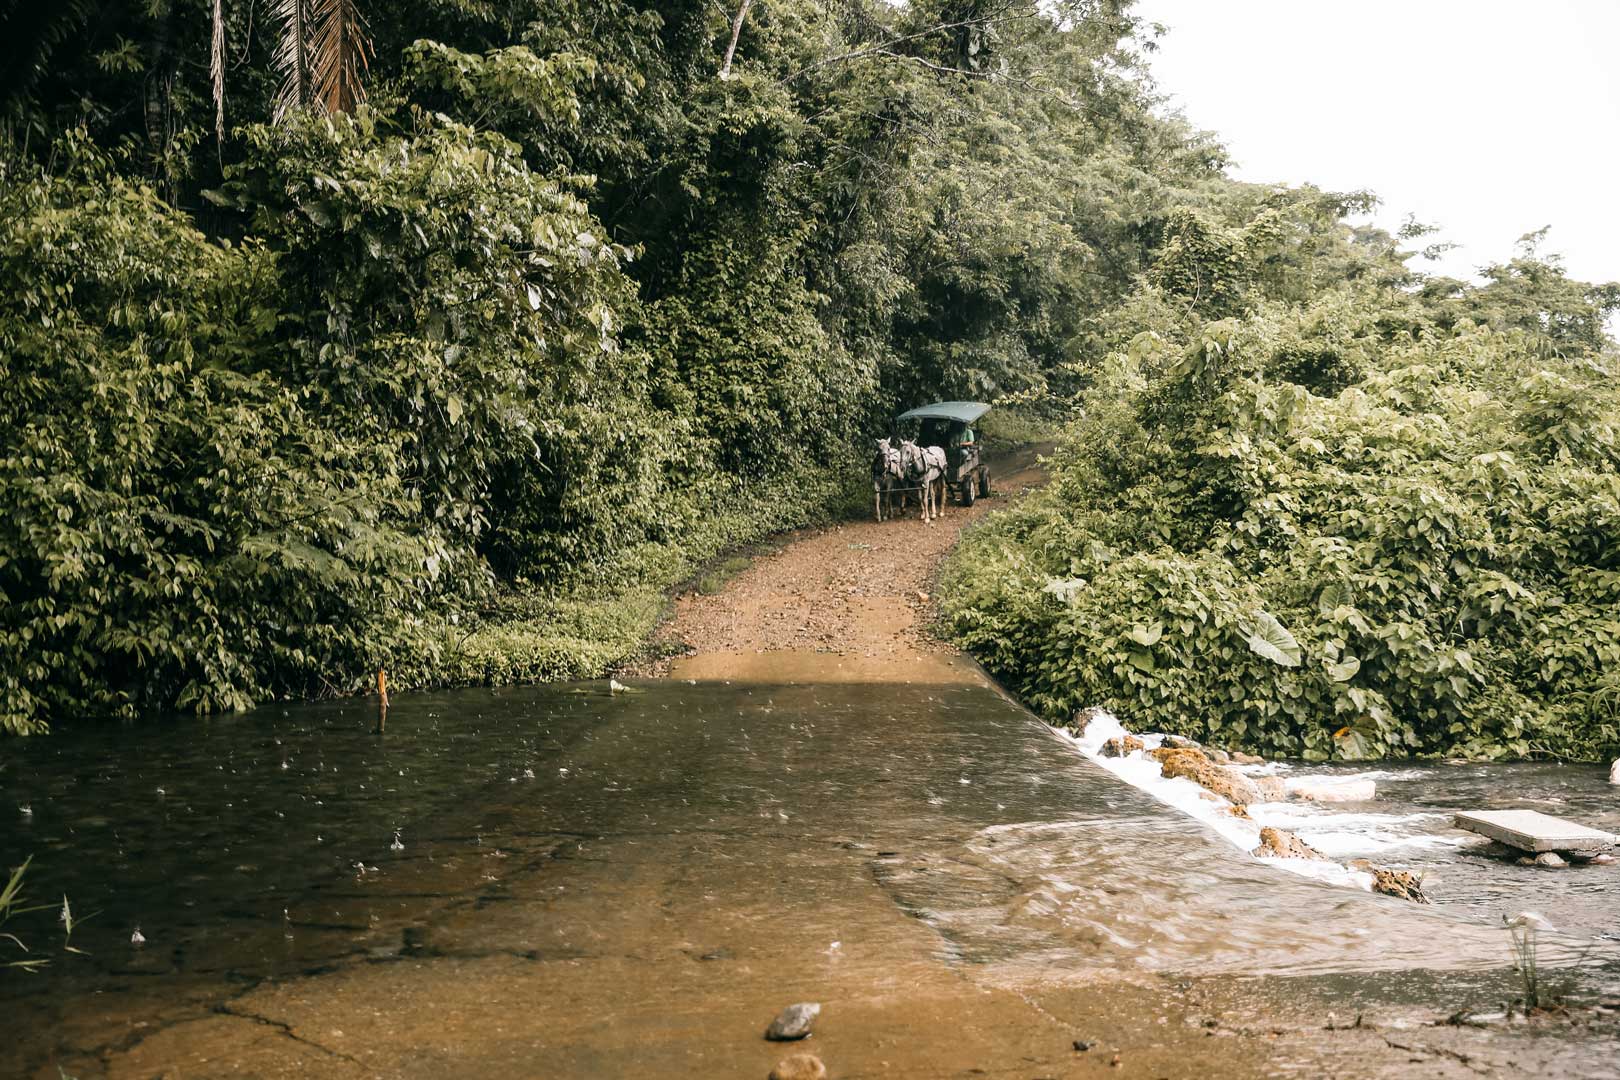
736,31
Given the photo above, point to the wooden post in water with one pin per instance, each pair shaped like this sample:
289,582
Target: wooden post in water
382,700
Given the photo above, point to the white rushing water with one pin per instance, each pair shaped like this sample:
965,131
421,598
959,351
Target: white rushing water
1336,833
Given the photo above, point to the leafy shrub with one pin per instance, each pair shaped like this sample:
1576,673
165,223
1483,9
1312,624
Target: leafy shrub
175,527
1424,561
233,471
436,291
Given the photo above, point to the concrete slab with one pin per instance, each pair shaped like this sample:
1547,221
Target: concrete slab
1530,830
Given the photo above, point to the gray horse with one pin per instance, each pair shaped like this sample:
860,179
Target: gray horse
925,468
888,474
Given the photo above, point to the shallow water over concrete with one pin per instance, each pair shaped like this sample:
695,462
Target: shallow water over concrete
561,882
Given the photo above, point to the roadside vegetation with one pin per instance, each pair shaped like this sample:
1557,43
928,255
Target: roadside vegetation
445,338
1325,516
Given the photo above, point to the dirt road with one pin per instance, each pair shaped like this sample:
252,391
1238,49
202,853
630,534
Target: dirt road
846,603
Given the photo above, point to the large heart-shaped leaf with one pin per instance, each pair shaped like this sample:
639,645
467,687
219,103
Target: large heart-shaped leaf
1148,635
1334,595
1271,639
1345,670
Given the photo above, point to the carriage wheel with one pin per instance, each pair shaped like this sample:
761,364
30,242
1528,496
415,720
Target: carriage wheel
967,492
984,482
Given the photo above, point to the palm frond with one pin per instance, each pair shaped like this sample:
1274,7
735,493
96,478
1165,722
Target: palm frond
339,56
292,55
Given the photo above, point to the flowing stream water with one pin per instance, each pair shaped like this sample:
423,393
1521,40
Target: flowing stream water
650,872
1408,825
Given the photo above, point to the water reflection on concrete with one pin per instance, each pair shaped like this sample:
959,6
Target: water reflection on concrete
596,885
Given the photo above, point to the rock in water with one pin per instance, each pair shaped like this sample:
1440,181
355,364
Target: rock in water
1603,860
1282,844
1247,759
799,1067
1399,884
793,1022
1614,772
1550,859
1120,745
1192,764
1271,789
1317,790
1396,883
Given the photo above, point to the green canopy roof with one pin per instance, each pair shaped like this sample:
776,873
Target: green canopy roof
963,411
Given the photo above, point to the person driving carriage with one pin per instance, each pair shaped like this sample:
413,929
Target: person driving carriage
947,427
947,433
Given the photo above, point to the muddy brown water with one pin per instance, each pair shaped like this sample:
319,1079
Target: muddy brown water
559,882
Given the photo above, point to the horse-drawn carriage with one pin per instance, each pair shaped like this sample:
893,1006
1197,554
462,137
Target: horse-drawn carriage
931,451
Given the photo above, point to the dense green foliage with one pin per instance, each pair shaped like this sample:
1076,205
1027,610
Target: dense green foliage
1338,522
458,381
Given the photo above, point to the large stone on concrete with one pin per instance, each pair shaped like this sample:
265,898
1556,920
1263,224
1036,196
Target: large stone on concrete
1396,883
793,1022
1192,764
1121,745
1282,844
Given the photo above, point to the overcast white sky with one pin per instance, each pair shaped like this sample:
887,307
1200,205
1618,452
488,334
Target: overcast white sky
1486,117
